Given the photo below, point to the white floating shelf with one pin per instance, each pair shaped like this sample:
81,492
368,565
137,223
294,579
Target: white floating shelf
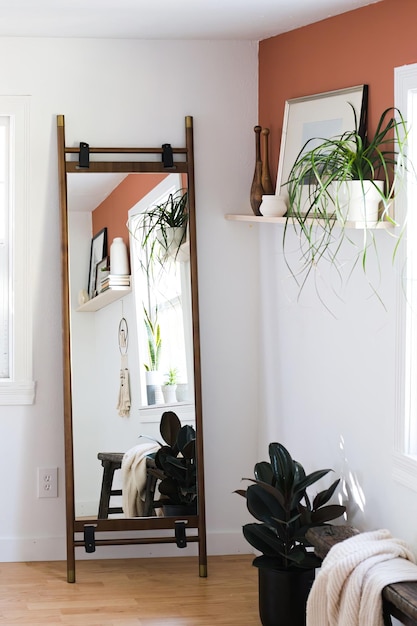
260,219
103,299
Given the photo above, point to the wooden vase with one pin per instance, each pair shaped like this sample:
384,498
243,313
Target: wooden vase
256,191
266,176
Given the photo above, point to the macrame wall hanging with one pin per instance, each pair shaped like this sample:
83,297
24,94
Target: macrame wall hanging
123,405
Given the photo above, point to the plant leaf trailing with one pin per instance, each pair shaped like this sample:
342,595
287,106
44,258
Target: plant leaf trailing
278,499
321,169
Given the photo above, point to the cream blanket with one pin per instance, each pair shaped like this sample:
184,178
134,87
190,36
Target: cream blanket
134,478
347,590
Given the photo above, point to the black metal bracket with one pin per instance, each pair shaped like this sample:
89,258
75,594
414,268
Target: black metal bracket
84,158
89,538
167,155
180,535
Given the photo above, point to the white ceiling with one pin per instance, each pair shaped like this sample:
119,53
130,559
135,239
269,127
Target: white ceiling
165,19
157,19
87,191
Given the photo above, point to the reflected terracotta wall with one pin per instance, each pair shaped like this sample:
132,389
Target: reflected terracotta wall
112,212
359,47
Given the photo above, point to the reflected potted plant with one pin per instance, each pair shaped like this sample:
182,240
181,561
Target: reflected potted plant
166,224
278,499
332,183
176,459
154,342
169,388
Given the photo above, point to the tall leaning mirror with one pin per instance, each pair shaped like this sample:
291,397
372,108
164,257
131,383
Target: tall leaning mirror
132,378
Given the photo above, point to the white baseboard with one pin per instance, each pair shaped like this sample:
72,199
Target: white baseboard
54,549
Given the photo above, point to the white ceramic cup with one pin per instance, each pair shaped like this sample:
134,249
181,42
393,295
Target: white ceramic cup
273,206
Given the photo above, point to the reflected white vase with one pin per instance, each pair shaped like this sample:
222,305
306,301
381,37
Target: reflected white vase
119,262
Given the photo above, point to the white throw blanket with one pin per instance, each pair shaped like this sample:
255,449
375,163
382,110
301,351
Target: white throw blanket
347,590
134,478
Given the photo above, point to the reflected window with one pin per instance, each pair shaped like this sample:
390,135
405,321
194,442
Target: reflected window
161,277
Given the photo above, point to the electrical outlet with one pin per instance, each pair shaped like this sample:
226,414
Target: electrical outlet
47,482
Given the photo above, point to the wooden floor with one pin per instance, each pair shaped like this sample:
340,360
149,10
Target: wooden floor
132,592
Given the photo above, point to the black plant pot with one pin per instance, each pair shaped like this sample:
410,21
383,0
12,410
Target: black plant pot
283,596
178,510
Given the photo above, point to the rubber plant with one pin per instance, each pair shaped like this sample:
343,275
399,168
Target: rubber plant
278,499
177,460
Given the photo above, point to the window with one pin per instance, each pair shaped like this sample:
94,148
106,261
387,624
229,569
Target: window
16,385
162,295
5,314
405,456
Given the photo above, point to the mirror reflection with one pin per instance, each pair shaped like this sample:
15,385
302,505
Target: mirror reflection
131,344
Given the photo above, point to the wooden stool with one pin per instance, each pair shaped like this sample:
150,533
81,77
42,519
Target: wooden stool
111,461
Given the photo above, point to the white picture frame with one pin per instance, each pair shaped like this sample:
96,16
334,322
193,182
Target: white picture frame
322,115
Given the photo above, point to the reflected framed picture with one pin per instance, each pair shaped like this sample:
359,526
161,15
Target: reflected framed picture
102,273
320,116
98,253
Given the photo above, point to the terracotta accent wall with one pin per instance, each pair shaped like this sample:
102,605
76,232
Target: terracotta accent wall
112,212
359,47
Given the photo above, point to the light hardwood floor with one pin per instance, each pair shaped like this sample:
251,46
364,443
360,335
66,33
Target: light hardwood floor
131,592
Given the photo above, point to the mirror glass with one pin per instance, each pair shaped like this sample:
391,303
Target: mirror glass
119,393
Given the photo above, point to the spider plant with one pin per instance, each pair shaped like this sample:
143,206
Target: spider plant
159,221
317,183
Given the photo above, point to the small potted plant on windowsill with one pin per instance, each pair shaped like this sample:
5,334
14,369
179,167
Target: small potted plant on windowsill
278,499
331,177
169,388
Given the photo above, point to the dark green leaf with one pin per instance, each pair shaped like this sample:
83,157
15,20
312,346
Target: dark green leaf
169,427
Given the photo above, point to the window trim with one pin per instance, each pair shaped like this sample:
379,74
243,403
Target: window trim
404,463
19,388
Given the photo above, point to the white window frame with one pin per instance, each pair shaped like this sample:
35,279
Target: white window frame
19,387
405,451
151,413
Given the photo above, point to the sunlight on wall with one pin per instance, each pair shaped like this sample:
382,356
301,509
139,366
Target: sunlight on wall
352,495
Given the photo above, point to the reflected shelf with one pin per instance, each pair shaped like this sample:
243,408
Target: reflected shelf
261,219
103,299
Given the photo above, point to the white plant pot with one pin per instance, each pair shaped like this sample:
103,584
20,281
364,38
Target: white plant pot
153,387
172,240
183,392
358,201
169,392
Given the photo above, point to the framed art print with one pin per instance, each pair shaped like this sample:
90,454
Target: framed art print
98,253
320,116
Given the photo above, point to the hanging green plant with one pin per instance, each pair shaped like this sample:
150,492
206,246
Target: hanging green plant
328,174
165,224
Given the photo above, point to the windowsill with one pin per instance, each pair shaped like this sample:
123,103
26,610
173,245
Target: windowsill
17,393
152,414
405,470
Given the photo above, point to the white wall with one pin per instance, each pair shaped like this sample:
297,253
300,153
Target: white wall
330,381
138,93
